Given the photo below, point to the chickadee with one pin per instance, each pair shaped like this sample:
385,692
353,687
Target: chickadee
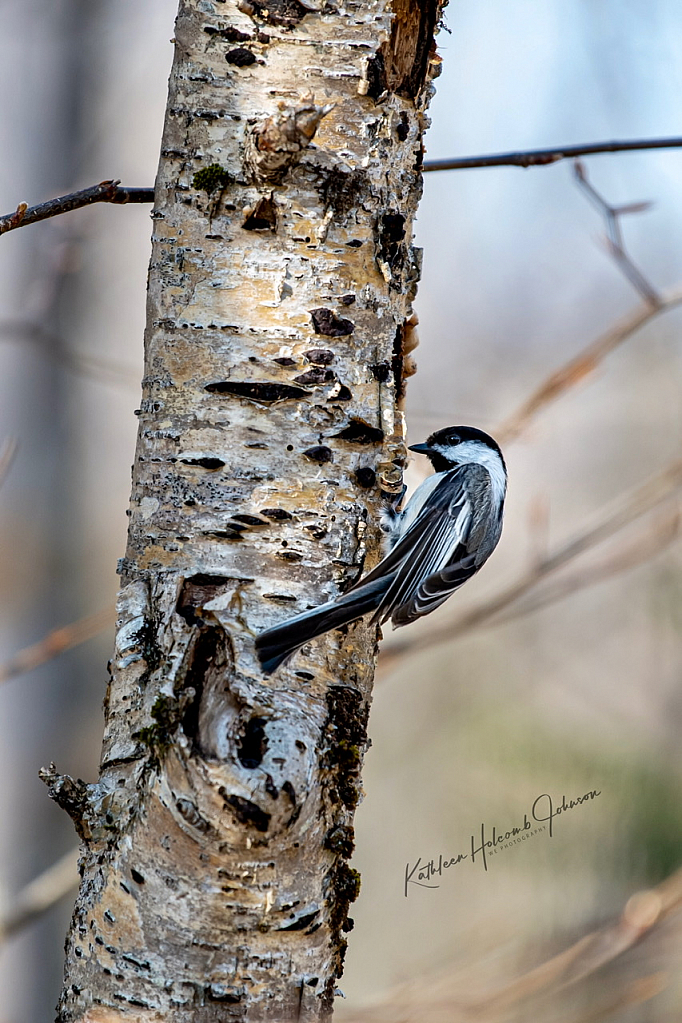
446,532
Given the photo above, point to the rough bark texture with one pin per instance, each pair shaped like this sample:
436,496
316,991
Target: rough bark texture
215,844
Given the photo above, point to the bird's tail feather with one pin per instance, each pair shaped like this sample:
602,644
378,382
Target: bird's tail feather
275,645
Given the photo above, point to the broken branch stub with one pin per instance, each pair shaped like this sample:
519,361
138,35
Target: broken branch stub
273,145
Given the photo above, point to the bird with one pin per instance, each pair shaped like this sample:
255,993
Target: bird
446,532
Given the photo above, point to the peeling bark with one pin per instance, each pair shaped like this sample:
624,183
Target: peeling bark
215,882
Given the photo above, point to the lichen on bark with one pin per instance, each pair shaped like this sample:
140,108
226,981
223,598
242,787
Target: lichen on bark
214,862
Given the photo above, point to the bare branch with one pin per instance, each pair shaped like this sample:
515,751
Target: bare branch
586,361
7,453
541,157
112,191
106,191
583,364
41,894
643,500
56,348
538,528
56,642
642,911
441,997
647,545
615,244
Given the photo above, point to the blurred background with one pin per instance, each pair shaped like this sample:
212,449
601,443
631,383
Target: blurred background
575,684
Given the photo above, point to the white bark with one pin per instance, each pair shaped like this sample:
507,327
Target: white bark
215,877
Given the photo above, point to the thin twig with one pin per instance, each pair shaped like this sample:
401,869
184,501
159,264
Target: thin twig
586,361
112,191
41,894
52,345
612,215
644,499
7,453
55,643
538,528
583,364
642,911
106,191
441,997
629,555
541,157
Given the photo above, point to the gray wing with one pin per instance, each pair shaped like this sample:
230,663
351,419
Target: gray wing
446,544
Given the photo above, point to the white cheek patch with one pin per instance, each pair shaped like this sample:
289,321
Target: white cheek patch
481,454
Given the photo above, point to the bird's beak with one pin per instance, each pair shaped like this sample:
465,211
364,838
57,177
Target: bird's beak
421,449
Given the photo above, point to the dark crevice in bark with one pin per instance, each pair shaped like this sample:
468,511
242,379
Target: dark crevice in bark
316,376
365,476
204,654
278,514
397,363
246,811
253,744
301,922
341,393
360,432
257,391
277,12
263,217
326,322
288,788
225,534
320,454
377,80
196,591
391,248
403,127
247,520
319,356
270,787
233,35
401,65
240,56
341,192
205,463
381,371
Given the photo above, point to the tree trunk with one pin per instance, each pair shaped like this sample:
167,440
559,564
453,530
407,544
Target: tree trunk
215,844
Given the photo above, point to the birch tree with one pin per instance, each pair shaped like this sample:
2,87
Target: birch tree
215,844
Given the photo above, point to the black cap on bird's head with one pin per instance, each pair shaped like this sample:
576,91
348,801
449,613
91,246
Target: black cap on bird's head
441,446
